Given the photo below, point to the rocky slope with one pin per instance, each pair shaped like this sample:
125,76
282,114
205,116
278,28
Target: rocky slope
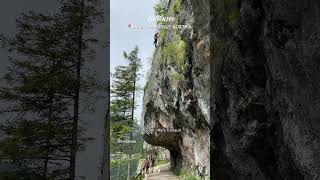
265,69
177,94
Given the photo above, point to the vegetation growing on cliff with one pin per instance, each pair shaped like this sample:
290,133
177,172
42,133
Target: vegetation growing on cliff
175,54
177,6
163,34
175,78
188,174
181,53
170,72
161,8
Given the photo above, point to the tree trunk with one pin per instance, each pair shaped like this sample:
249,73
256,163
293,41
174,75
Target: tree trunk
129,159
74,147
132,120
105,171
51,97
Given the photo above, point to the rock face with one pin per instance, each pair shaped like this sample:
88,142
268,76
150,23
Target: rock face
262,78
177,95
265,97
156,151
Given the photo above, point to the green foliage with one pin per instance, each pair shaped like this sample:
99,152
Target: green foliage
122,109
175,171
170,52
160,162
186,174
163,33
124,89
175,53
160,9
118,131
42,89
177,6
181,54
119,163
175,78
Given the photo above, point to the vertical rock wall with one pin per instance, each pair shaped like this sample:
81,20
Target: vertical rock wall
177,93
265,69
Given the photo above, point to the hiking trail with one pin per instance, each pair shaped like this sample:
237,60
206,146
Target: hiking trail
164,174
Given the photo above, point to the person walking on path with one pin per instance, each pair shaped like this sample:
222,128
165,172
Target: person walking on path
152,164
146,165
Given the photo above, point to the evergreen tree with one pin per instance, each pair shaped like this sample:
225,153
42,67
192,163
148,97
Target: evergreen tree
39,93
78,18
122,108
45,80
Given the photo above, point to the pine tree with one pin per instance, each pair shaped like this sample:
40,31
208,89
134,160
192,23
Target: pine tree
79,17
122,109
134,65
44,86
39,94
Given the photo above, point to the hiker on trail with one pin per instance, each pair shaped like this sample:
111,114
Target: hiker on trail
156,36
146,165
152,164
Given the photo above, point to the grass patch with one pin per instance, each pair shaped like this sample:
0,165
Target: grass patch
175,171
160,162
187,174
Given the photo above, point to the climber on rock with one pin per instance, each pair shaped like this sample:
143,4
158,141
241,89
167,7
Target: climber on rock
156,36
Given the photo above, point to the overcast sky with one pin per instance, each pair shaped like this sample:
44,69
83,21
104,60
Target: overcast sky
10,10
123,13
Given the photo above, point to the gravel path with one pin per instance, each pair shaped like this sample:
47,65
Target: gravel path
164,174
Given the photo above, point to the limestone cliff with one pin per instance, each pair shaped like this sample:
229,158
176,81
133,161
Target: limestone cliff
265,69
177,94
261,75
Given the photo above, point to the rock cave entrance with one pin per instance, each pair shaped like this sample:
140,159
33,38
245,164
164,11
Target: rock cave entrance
175,159
169,144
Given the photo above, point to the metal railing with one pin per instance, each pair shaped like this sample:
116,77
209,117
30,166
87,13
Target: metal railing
139,176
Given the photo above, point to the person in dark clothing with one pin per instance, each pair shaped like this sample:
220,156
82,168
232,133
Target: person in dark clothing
156,36
152,163
146,165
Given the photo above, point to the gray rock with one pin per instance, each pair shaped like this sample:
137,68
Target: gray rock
182,104
265,90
